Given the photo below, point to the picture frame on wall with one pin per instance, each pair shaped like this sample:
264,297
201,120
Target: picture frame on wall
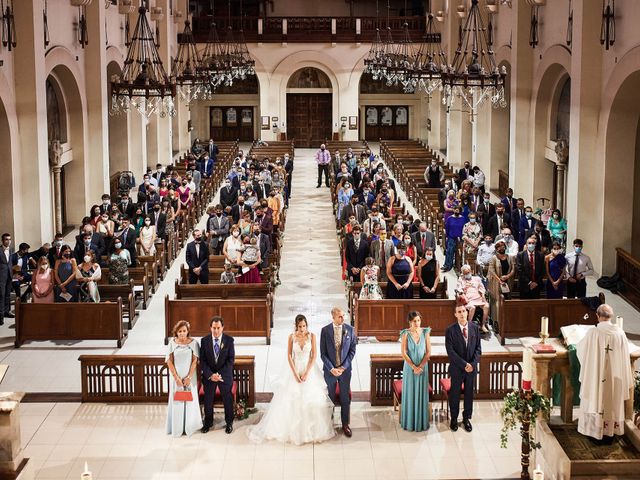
343,119
216,117
402,116
353,122
246,116
372,116
264,122
386,116
232,116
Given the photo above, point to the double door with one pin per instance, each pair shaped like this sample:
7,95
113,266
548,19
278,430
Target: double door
309,118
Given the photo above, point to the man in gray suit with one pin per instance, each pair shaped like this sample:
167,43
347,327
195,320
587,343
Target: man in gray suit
382,250
423,239
6,251
218,230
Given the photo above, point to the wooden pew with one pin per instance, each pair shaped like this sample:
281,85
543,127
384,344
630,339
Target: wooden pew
152,265
111,293
140,282
498,374
384,319
145,378
521,318
266,275
69,321
223,291
242,318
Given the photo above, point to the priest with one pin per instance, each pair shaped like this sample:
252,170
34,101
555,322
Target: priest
605,376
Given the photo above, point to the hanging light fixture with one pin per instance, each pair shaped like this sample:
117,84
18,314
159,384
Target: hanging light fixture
144,83
374,60
402,62
186,71
431,61
474,76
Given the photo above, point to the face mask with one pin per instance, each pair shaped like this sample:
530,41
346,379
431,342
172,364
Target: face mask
227,183
322,148
235,234
486,200
472,220
87,258
44,267
488,242
66,255
428,258
556,216
147,222
556,251
467,276
105,202
528,214
407,242
87,242
198,239
118,245
531,247
501,251
578,249
157,209
58,243
507,238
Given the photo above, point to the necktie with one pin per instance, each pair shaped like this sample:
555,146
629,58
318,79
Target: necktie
575,265
382,254
532,264
499,223
424,240
464,334
216,349
124,237
337,338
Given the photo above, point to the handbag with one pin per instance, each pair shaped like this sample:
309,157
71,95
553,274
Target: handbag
504,288
183,396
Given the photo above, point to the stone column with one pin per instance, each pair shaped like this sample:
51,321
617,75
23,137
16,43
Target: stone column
168,47
12,461
55,154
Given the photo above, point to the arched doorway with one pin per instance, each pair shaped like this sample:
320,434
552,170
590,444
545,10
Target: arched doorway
500,139
6,183
309,107
118,131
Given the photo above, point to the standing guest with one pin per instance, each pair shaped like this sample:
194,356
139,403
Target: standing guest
250,261
322,159
183,417
471,237
369,278
486,251
543,237
344,198
397,237
428,273
337,349
467,206
509,202
517,214
138,219
557,227
356,252
20,269
423,239
502,267
87,276
95,214
462,341
232,246
65,275
106,203
159,175
126,206
531,270
512,245
228,194
185,193
497,222
471,288
400,273
555,263
218,230
353,207
227,276
434,174
159,221
449,204
411,248
453,228
197,258
128,237
382,250
416,350
526,224
578,267
478,178
466,172
42,282
148,238
105,227
119,262
216,360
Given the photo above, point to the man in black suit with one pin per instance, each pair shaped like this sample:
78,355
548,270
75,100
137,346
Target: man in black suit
543,237
462,341
509,202
238,208
496,222
356,252
83,246
265,220
262,189
531,270
126,206
213,151
97,240
517,214
465,172
159,174
288,168
197,258
423,239
527,223
264,243
105,206
128,237
217,355
6,252
159,220
228,194
354,209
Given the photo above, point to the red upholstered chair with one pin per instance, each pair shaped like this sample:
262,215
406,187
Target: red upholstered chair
445,384
217,399
396,387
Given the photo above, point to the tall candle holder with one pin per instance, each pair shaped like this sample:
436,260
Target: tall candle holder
543,338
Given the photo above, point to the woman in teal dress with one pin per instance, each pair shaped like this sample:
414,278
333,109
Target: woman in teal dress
416,350
557,227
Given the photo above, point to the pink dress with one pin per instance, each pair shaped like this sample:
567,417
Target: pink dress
40,283
184,196
473,289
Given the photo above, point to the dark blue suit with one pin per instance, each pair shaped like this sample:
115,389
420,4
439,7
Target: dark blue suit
328,356
224,366
194,260
459,355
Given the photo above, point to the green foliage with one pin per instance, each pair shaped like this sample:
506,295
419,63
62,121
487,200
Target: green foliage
518,406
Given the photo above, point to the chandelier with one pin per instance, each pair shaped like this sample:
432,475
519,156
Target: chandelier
474,76
430,62
144,84
190,81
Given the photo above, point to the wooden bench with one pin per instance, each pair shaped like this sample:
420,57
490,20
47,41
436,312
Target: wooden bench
242,318
384,319
154,269
111,293
223,291
145,378
498,374
69,321
140,282
214,275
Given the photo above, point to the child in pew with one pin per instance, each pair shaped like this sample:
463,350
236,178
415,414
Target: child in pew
227,276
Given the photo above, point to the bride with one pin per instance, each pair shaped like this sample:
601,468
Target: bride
300,411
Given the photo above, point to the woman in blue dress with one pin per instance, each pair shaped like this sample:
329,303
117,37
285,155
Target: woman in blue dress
416,350
555,262
400,273
65,275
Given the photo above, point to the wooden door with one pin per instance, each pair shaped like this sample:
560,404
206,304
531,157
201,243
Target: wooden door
231,123
309,118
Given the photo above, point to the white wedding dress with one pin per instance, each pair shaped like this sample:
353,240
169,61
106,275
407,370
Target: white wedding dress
299,413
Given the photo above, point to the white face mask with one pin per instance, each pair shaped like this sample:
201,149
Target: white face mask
87,258
428,258
467,276
235,234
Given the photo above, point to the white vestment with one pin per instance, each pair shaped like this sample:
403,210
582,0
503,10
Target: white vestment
606,381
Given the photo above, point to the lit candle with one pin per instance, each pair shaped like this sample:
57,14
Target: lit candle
526,369
538,474
544,326
86,475
620,322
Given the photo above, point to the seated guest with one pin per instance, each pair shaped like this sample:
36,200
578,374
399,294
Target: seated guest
578,267
66,289
20,266
557,227
531,270
43,282
471,289
87,276
356,252
400,272
369,278
453,228
148,238
183,417
462,341
512,245
43,251
227,276
502,267
249,261
555,263
486,251
84,246
471,237
97,241
197,258
543,237
119,262
428,273
416,350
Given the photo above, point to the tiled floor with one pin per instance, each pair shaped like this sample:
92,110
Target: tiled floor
129,441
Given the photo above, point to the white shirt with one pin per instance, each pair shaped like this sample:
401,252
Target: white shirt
485,253
6,253
462,327
219,339
585,268
197,248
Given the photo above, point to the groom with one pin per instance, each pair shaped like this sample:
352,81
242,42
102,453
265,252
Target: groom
337,349
216,360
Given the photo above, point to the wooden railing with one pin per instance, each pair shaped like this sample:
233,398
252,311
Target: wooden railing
503,182
145,378
498,374
628,268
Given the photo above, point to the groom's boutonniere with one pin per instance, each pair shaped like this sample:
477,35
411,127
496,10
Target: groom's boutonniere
221,345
